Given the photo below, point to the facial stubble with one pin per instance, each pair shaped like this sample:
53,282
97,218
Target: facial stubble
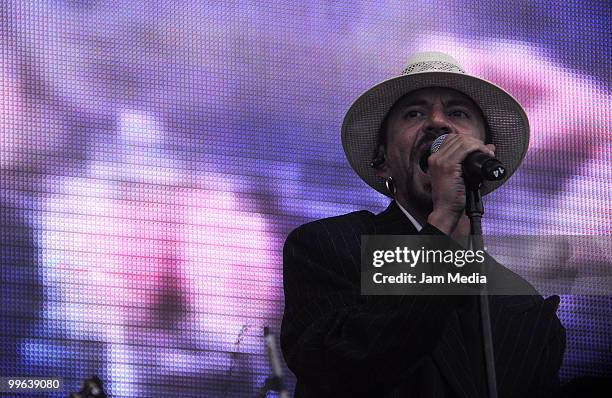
418,197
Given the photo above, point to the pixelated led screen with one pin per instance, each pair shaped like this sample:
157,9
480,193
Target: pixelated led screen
155,155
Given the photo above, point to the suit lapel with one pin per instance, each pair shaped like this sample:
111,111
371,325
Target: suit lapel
451,354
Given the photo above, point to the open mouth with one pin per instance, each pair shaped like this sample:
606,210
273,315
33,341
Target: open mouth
424,154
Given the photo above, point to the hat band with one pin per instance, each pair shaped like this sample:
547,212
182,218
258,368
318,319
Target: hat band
430,66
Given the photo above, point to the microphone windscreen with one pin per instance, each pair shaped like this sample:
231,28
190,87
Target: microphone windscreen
435,146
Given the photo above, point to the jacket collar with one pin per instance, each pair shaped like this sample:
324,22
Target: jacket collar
393,221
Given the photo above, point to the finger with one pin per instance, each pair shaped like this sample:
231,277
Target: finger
458,148
455,141
467,144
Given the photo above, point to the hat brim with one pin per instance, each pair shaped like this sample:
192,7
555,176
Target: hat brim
508,126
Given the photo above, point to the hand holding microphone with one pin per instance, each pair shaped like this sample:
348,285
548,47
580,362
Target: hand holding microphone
478,165
453,158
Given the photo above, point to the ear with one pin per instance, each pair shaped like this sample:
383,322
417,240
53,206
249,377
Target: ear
383,171
379,163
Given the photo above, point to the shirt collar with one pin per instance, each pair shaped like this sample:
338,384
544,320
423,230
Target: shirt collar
414,222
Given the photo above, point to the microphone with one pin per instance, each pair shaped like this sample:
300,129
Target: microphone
477,166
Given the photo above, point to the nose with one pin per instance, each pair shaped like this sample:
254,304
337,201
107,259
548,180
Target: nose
437,124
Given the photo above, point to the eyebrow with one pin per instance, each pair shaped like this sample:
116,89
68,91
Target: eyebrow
460,102
415,103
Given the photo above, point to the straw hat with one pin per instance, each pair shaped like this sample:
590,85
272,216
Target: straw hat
508,127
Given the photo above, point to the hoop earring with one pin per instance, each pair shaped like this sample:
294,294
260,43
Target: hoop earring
390,184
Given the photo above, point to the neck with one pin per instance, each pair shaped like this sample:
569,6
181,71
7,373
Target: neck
417,212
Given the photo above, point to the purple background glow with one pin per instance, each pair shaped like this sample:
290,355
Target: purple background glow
154,156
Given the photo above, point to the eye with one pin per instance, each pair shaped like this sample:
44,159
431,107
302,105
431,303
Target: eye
412,114
460,114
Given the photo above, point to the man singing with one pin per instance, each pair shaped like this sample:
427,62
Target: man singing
340,343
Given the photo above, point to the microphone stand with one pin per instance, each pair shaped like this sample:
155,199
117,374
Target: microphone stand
475,209
274,382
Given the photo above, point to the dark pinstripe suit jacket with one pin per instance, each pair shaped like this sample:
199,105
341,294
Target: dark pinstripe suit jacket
341,344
